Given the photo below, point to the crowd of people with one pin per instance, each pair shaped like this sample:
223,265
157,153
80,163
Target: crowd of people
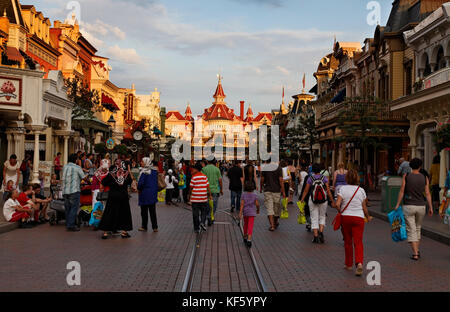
200,185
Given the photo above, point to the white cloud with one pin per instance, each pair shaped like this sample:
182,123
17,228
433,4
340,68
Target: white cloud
104,29
129,56
283,70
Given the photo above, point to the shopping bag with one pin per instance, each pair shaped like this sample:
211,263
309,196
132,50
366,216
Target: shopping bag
301,216
442,208
162,196
96,215
398,226
284,203
211,208
284,214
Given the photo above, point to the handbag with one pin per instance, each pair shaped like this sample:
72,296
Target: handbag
102,196
337,222
161,182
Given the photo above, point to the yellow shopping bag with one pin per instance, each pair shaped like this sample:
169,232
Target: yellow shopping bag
211,206
162,196
284,214
284,203
301,216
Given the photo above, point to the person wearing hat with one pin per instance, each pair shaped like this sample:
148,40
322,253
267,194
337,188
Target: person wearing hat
199,193
171,180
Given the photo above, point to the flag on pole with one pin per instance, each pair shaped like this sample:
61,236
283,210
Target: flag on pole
304,81
283,92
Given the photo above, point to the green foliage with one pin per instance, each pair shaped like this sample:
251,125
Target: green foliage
87,101
358,122
442,137
305,133
100,148
121,149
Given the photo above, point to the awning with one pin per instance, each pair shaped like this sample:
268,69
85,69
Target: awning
340,97
13,54
109,103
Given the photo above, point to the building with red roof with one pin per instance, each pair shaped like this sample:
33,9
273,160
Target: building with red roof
217,118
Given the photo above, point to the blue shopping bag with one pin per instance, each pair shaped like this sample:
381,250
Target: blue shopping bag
96,214
398,226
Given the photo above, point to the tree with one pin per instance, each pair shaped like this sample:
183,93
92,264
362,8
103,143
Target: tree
304,134
87,101
358,123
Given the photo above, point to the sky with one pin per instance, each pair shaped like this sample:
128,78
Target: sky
179,46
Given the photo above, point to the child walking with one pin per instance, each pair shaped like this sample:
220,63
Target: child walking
249,210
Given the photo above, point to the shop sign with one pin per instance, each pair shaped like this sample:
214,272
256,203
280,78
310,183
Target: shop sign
110,144
10,91
56,111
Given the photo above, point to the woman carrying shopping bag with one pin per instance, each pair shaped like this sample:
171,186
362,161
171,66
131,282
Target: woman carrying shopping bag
412,191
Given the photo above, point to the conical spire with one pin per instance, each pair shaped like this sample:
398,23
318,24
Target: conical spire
219,90
188,113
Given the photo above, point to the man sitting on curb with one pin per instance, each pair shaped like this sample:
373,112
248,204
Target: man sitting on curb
13,211
41,202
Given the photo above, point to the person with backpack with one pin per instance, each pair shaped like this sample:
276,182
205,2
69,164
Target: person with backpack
318,202
412,191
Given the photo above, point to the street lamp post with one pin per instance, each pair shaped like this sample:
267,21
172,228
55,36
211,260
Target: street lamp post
112,124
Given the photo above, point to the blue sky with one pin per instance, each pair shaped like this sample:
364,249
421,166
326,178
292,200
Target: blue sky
179,46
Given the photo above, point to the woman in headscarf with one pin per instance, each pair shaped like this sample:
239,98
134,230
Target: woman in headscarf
148,193
117,213
97,179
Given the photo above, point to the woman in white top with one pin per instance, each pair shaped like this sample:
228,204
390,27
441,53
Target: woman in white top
14,212
170,181
352,203
11,171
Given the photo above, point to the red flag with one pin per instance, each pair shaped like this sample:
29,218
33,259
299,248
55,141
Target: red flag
304,81
283,92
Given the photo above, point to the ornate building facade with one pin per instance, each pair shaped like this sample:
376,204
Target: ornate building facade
216,120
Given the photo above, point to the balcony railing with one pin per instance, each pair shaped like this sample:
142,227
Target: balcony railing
381,111
436,78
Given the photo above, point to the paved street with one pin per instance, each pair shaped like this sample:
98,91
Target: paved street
36,259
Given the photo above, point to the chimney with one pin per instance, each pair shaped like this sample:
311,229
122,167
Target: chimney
242,110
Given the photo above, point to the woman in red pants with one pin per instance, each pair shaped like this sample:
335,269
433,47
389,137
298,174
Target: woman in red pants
249,210
352,203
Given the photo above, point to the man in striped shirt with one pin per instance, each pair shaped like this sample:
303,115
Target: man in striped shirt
198,195
72,176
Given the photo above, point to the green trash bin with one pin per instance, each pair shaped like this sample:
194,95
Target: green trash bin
390,188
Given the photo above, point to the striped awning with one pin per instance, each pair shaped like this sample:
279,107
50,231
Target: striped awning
13,54
109,103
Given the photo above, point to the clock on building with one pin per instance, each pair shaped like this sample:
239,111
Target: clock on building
138,135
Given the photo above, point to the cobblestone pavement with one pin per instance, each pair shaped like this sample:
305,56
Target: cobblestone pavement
35,259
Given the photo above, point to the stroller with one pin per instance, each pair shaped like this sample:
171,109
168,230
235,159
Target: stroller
57,210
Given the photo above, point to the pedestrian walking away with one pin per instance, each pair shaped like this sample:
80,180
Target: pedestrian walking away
339,179
249,210
198,196
71,179
148,193
236,178
351,203
272,186
318,202
117,213
414,185
215,184
171,180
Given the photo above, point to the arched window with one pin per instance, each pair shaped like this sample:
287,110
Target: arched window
427,71
440,60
